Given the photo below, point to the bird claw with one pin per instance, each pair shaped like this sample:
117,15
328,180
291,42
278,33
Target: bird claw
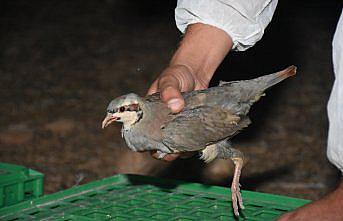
237,201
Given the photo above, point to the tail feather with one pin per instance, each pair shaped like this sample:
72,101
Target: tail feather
272,79
247,92
266,81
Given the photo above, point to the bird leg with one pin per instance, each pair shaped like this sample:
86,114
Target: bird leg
236,196
224,150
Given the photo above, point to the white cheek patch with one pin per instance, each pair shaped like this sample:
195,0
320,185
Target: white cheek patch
127,117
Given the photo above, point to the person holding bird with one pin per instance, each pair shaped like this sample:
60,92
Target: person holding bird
212,28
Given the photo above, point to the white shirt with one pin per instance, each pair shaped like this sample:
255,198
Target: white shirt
245,21
335,105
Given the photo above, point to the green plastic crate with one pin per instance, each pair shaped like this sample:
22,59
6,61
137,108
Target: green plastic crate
132,197
18,183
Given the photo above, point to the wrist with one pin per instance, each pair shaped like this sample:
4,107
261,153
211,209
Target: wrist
202,50
181,73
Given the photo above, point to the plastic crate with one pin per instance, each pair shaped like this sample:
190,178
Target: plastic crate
132,197
18,183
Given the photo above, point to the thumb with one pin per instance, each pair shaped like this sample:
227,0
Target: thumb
153,88
171,94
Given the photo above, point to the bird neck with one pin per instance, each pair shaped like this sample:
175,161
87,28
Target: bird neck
132,119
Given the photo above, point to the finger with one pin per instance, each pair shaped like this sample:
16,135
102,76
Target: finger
170,93
155,155
171,157
153,88
168,157
173,98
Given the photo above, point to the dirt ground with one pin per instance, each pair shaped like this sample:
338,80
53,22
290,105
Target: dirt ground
61,62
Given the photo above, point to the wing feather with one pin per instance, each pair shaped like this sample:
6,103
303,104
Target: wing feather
193,129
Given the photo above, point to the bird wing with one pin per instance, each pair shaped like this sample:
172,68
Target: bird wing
193,129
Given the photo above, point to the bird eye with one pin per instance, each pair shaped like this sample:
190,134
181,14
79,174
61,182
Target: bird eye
121,109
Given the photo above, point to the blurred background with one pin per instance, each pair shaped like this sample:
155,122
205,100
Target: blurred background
61,62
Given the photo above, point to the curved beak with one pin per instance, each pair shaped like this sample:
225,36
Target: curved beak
108,120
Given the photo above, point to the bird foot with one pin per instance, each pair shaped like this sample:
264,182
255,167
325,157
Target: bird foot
237,201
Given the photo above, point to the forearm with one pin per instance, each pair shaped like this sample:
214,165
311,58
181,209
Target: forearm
244,21
202,50
326,208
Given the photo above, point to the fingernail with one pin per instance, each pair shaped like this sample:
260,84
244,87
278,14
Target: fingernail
175,104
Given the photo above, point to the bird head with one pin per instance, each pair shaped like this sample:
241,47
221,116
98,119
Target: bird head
125,109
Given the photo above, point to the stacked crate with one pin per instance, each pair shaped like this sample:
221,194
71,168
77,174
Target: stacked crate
18,184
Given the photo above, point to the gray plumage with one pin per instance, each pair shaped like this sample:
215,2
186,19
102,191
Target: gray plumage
209,115
210,118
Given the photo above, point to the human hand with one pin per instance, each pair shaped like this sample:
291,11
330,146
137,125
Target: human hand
174,80
191,68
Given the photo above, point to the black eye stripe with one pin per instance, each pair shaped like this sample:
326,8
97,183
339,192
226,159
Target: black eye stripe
133,107
111,111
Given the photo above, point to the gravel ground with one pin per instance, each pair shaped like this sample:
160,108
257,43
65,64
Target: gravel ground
63,61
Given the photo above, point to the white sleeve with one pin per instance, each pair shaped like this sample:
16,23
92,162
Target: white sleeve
243,20
335,105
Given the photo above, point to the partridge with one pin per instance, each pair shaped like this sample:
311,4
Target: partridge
209,120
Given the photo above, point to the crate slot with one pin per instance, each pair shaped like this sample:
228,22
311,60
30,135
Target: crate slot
116,198
14,219
55,206
34,213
